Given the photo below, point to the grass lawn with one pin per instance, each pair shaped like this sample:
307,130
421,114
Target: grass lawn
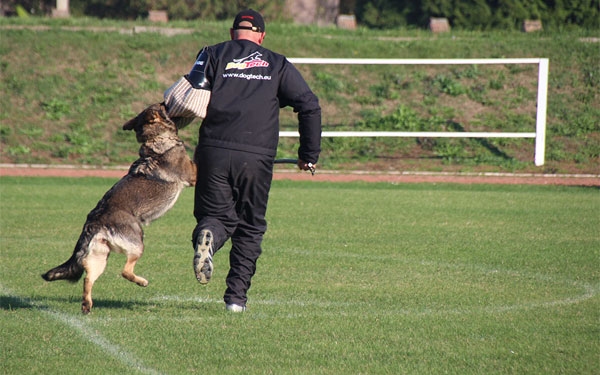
355,278
67,93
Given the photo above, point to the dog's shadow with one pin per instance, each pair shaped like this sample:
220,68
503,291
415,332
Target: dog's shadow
17,303
119,304
10,303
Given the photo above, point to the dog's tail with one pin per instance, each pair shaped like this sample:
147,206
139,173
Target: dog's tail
72,269
69,270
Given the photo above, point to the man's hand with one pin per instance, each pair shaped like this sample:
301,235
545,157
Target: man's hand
305,166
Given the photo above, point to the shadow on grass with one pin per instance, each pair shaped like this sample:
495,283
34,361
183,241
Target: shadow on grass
15,303
483,142
10,303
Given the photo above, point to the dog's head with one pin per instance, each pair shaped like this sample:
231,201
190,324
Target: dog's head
151,123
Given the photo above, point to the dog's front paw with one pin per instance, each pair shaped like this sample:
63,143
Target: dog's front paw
144,166
86,307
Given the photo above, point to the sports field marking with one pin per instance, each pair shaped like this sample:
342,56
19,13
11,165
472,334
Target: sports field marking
88,333
581,292
587,292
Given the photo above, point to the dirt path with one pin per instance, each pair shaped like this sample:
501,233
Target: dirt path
332,176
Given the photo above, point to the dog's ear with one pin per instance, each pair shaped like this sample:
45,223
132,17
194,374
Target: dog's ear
162,113
155,113
148,115
129,125
162,107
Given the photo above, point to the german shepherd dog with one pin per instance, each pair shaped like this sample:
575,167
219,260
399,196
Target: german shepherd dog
150,188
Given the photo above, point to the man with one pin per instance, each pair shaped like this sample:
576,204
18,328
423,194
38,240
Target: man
238,87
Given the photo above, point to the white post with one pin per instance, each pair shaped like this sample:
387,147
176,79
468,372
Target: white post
62,5
62,9
540,122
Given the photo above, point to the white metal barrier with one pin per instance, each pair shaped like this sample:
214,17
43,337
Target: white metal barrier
542,98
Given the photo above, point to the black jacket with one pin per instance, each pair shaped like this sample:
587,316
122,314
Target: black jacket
249,85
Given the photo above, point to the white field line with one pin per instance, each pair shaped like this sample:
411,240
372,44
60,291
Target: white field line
581,293
584,291
336,309
88,333
588,292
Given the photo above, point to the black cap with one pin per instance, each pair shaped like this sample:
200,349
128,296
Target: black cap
252,16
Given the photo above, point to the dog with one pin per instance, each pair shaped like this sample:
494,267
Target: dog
150,188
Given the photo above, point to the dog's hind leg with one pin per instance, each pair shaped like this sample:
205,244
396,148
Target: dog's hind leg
130,241
94,264
128,270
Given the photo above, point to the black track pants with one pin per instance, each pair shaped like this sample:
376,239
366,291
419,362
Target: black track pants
232,191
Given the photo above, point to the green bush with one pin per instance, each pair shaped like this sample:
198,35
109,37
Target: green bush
478,14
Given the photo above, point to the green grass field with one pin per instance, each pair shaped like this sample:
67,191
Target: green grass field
355,278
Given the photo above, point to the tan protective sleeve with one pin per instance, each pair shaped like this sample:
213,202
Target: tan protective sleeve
184,101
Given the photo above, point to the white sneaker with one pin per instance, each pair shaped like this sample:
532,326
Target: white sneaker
235,308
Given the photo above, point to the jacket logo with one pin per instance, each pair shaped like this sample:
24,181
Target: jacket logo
251,61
